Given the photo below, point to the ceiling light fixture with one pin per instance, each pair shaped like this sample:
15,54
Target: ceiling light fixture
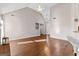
39,8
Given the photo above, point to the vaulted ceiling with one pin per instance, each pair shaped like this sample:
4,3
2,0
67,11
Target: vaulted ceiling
8,7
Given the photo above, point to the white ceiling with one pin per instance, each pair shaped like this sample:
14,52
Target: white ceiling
8,7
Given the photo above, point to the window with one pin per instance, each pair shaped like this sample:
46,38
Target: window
1,31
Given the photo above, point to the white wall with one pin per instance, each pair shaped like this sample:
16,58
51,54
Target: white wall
22,24
9,7
76,16
63,24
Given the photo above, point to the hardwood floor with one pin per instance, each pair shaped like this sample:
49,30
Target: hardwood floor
60,47
5,50
28,46
37,46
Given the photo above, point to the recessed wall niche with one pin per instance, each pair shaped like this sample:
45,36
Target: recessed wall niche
37,25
